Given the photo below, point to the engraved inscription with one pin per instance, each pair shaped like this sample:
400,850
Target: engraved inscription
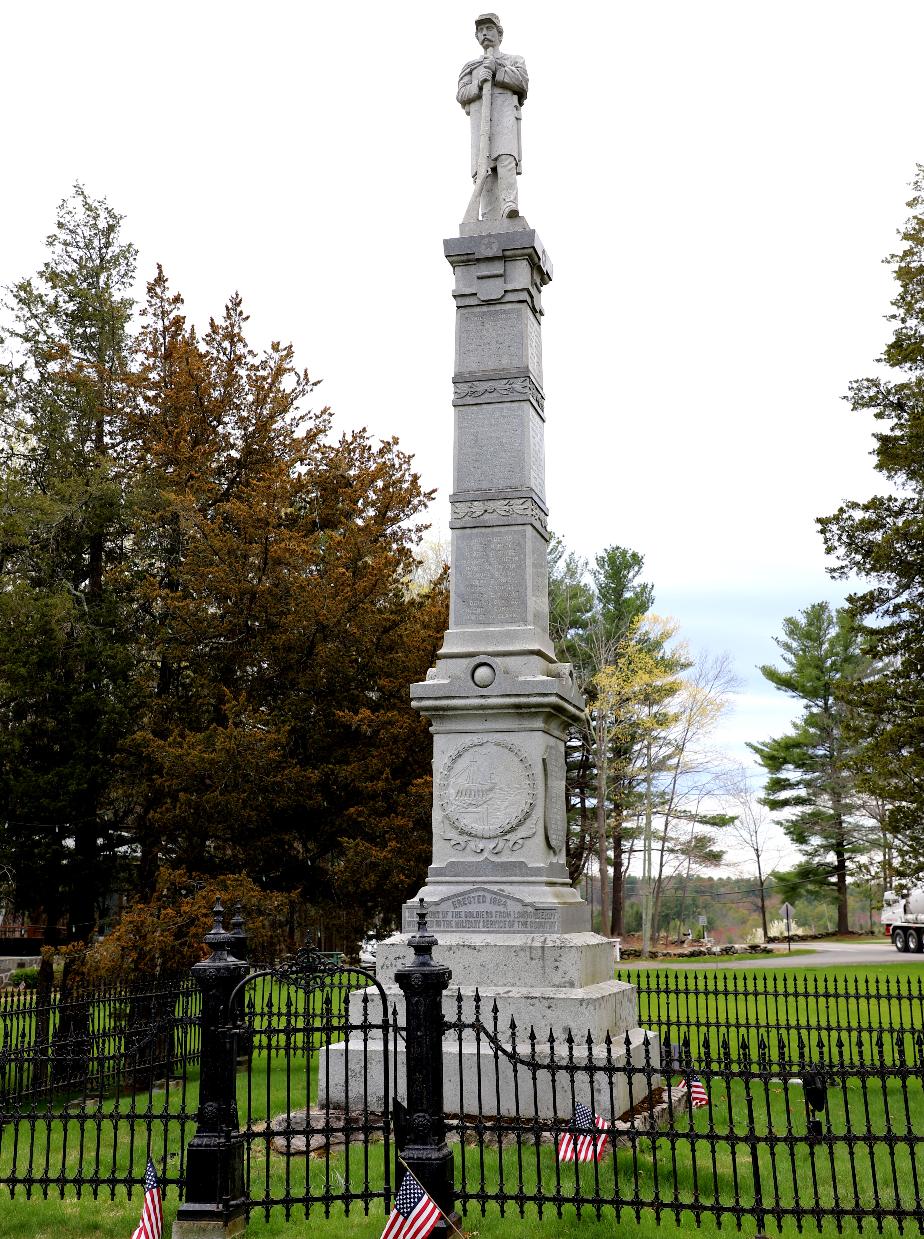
485,911
490,451
477,509
537,454
534,341
490,578
490,339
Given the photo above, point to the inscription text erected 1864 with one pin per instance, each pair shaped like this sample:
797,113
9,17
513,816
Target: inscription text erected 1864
485,911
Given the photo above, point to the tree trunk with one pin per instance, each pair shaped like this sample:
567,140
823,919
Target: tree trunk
149,855
71,1044
41,1039
763,899
843,921
83,895
601,833
659,880
617,911
646,859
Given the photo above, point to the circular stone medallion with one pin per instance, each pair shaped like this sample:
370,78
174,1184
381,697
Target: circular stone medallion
487,788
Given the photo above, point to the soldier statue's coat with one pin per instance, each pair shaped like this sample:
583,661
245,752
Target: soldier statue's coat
507,95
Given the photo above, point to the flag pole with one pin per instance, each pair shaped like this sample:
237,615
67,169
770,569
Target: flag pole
460,1233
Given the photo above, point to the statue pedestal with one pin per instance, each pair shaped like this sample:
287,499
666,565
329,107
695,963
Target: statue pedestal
508,921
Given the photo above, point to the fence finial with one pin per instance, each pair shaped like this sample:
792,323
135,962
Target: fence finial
422,942
218,939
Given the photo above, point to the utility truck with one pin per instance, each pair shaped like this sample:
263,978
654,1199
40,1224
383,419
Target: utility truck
903,917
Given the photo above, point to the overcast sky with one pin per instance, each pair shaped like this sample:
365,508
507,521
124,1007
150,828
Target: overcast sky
716,184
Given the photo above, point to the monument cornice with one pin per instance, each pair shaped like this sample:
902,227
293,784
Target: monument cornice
508,245
434,698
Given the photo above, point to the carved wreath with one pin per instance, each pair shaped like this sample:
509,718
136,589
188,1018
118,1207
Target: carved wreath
508,828
474,509
519,386
497,387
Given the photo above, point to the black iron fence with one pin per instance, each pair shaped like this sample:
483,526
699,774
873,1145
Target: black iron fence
313,1045
766,1102
879,1018
747,1132
81,1037
93,1081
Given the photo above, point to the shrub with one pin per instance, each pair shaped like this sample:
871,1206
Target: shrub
24,976
164,935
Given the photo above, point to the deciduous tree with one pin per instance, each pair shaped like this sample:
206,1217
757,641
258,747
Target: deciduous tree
592,610
210,607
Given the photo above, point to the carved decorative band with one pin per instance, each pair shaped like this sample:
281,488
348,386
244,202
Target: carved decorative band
476,509
484,391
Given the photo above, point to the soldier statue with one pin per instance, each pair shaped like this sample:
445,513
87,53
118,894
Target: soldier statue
492,90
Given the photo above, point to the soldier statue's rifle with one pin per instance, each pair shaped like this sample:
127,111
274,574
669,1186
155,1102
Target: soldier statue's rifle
484,149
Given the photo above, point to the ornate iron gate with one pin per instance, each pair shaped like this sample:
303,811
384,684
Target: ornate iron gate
313,1040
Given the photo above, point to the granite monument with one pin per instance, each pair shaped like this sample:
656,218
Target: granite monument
498,894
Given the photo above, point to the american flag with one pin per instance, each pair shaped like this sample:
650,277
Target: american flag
414,1215
151,1225
698,1094
587,1145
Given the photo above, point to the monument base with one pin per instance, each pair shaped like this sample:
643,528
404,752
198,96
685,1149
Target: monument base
479,1081
559,987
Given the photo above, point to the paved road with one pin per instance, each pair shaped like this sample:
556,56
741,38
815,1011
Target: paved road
824,955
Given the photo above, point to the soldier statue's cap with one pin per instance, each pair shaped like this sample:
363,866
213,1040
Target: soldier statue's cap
489,17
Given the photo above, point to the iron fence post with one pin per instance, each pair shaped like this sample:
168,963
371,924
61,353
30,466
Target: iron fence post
421,1139
214,1198
755,1163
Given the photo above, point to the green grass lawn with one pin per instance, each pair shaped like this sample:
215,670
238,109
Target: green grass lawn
719,1166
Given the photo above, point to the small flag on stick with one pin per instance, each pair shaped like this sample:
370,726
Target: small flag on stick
583,1145
151,1225
415,1213
698,1095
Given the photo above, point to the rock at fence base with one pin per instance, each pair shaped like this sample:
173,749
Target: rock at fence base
290,1146
318,1131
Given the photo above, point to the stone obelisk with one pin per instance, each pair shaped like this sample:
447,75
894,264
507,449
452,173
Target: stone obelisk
498,896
